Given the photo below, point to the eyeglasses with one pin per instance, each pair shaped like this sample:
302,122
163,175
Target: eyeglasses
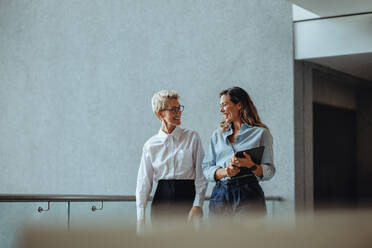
175,110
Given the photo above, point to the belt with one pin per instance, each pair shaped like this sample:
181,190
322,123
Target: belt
240,180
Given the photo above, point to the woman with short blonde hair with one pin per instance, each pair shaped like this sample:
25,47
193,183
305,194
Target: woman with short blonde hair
173,159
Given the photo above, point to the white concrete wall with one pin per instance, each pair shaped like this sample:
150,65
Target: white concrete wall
333,37
76,79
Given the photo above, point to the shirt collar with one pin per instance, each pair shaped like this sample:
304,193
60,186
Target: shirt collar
229,131
175,134
245,126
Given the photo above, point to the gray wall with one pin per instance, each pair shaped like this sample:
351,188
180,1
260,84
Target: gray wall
303,122
76,79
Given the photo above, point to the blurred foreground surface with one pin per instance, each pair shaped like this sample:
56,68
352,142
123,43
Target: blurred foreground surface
327,229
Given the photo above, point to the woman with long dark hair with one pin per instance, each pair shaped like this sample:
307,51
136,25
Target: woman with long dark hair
237,189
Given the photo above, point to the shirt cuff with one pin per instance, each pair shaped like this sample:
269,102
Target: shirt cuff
140,213
268,171
198,202
212,172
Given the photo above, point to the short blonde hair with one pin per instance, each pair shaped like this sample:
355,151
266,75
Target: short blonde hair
160,99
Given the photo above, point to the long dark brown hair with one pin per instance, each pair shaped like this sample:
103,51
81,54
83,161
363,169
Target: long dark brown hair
248,112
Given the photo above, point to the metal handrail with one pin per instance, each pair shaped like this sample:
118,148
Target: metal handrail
63,198
81,198
84,198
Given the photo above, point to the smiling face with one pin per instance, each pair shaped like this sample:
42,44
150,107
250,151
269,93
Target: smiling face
229,110
171,118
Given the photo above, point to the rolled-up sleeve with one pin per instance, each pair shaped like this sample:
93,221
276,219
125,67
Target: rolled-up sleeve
200,182
267,163
209,162
144,184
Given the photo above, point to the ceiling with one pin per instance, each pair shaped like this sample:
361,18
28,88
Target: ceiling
359,65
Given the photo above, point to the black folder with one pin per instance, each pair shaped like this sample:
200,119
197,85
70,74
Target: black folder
255,153
256,156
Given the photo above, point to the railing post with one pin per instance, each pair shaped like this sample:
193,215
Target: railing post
68,215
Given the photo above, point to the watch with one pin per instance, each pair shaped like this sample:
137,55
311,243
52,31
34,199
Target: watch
253,168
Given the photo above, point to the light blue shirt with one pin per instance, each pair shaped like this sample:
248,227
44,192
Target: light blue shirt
220,150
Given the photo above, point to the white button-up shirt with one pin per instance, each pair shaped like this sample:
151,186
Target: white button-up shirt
178,155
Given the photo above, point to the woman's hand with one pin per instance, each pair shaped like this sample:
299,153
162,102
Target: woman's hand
195,212
247,162
229,171
242,162
232,170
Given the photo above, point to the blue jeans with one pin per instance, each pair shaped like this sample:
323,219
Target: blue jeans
237,197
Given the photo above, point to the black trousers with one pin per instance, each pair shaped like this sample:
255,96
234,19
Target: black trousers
173,198
237,197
